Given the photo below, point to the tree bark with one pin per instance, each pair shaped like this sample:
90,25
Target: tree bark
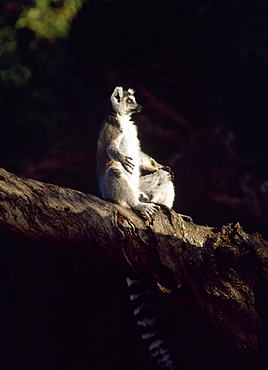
219,265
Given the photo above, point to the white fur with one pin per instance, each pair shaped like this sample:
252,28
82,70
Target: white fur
130,146
120,159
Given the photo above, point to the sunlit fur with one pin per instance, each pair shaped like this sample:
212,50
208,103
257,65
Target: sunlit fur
120,160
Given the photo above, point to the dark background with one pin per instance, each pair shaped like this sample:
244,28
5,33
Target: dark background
207,62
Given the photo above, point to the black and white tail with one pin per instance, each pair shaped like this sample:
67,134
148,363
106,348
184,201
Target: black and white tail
146,322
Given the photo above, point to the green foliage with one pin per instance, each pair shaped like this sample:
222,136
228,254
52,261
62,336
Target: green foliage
8,43
49,19
12,72
35,83
16,74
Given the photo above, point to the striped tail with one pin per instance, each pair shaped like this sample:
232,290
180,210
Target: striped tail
146,322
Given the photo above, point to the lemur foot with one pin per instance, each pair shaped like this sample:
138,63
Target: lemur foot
149,209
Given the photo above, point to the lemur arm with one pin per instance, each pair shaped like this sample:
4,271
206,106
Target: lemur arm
149,164
114,153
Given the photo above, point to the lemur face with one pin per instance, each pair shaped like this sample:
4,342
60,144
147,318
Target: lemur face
123,102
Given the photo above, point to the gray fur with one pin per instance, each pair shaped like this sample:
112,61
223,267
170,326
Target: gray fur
120,160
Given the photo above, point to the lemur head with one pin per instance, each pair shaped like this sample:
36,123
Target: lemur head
123,102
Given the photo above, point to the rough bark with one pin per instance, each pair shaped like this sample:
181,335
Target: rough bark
220,266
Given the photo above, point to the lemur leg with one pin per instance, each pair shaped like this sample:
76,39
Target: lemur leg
158,187
120,190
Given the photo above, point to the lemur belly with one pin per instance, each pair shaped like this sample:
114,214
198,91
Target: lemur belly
130,147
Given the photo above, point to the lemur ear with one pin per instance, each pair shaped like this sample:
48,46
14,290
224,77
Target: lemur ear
131,91
117,95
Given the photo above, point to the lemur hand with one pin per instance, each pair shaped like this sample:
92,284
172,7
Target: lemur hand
169,170
128,164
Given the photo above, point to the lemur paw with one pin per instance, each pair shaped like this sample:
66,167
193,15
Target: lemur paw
148,209
128,164
169,170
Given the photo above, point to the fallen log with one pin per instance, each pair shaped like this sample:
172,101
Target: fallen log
219,265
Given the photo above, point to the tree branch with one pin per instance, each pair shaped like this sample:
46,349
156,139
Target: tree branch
220,266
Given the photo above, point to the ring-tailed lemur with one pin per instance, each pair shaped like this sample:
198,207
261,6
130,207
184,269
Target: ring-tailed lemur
120,162
147,324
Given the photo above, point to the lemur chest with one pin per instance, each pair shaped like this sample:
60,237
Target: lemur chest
130,142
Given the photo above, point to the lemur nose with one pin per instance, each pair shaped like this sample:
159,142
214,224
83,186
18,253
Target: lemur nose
139,108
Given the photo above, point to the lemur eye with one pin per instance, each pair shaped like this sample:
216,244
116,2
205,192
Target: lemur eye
129,101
